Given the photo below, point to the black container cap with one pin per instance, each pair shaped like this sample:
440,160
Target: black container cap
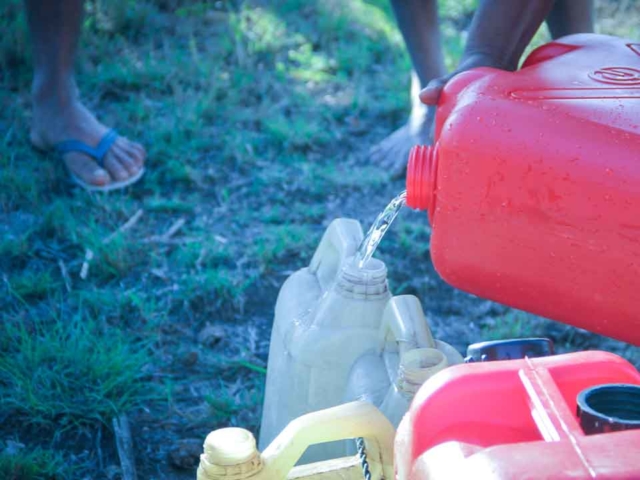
509,349
609,408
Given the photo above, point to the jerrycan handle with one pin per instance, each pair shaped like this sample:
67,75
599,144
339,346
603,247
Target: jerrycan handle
339,242
450,92
547,52
230,453
404,324
351,420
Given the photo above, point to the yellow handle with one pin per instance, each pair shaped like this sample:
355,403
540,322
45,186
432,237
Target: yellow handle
352,420
357,419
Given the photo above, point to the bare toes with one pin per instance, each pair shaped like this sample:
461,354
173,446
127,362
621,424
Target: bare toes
138,148
86,169
399,166
125,159
115,168
52,125
136,152
381,151
376,153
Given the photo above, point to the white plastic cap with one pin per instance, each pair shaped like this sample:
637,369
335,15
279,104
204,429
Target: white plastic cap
229,453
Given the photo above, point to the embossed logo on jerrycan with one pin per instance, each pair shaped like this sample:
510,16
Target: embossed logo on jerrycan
533,184
327,315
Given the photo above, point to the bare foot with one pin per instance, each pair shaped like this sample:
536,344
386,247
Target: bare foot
392,153
59,118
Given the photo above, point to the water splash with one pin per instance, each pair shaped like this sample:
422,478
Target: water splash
378,229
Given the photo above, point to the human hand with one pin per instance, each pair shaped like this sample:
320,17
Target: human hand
499,34
431,93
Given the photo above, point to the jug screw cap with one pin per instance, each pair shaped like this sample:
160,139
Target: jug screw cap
610,407
509,349
229,453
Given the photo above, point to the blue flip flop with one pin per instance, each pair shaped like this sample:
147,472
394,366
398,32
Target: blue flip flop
97,153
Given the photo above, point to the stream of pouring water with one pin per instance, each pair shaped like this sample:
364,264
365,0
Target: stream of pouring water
378,229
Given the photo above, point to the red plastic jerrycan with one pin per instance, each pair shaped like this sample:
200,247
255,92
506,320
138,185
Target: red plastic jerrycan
517,419
533,185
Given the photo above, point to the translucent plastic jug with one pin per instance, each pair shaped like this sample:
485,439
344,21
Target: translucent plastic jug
327,316
406,356
533,184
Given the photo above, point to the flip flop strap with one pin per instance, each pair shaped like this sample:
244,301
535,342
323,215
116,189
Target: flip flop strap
97,153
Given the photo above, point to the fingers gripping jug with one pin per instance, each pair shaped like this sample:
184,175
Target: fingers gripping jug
326,316
533,184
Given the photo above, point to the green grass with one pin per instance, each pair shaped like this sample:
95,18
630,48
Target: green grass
279,243
30,285
229,403
513,324
36,464
69,375
257,116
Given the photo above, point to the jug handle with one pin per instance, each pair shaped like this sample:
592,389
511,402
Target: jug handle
404,323
351,420
452,89
340,241
547,52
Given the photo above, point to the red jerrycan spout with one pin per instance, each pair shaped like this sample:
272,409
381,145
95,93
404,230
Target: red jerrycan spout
421,178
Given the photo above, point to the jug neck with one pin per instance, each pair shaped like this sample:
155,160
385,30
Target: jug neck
367,283
416,367
421,177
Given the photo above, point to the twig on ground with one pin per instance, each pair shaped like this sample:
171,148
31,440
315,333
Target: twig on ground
125,447
177,225
88,256
65,275
160,273
166,236
241,56
201,257
99,447
171,288
124,227
172,241
220,239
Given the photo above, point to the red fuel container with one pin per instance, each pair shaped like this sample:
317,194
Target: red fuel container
516,420
533,185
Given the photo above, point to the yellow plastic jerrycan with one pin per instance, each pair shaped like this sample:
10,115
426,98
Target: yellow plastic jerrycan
231,454
406,356
327,315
